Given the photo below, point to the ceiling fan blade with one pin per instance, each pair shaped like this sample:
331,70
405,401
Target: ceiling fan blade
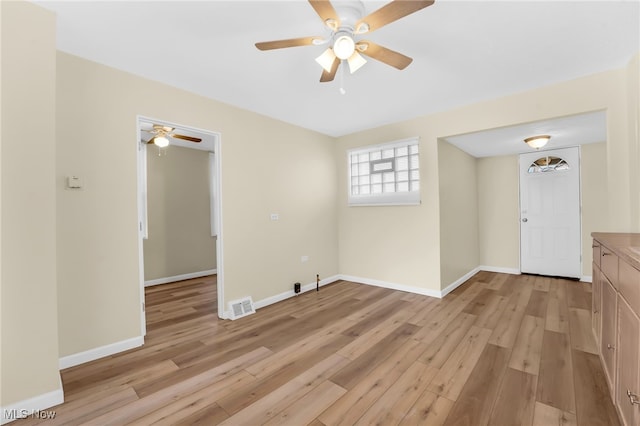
186,138
329,76
150,140
389,13
327,13
291,42
382,54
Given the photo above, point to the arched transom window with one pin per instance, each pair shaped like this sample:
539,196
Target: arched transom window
548,164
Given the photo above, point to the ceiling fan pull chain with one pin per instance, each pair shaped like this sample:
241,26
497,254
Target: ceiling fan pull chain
342,90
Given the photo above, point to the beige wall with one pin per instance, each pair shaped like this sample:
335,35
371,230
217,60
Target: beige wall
267,167
396,244
415,246
179,220
459,249
29,328
498,212
593,185
633,82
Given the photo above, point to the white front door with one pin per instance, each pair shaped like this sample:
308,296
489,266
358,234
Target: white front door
550,241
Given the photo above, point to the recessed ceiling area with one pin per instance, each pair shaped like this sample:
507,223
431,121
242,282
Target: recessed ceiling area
564,131
463,52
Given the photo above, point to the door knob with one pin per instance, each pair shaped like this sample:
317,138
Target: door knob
525,220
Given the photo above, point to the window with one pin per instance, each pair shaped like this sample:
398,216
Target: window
548,164
385,174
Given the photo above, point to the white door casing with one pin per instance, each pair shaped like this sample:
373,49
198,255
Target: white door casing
550,222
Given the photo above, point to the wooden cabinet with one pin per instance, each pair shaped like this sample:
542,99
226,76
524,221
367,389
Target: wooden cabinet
596,304
616,318
608,334
628,388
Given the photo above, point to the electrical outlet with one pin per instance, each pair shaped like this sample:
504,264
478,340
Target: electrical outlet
275,216
304,259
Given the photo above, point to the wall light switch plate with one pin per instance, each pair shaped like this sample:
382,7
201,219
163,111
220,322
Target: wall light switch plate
275,216
304,259
74,182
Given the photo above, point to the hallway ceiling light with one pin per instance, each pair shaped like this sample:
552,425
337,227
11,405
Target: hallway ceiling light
537,142
161,141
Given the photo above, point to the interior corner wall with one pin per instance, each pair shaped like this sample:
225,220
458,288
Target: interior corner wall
402,244
499,212
459,246
29,333
267,167
179,218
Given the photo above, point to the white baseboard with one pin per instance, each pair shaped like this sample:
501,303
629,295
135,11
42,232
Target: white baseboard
457,283
100,352
287,294
35,406
182,277
392,286
587,278
499,270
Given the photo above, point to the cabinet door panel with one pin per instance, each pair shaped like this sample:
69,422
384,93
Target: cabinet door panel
609,265
608,337
596,304
628,364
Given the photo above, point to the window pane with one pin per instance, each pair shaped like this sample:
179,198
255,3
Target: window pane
402,163
413,163
379,174
381,166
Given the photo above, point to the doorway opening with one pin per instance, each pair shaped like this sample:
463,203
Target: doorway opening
550,213
179,206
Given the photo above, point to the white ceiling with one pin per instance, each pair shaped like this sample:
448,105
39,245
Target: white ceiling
564,131
463,52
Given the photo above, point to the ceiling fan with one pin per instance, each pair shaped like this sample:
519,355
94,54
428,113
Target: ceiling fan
345,27
160,134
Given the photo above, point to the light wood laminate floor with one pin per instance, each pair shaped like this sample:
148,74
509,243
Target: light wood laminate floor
499,350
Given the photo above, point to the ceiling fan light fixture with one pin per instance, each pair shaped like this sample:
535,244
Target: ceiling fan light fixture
537,142
362,28
344,46
356,61
326,59
161,141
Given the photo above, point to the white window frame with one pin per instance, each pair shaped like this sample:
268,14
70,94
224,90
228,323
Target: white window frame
382,199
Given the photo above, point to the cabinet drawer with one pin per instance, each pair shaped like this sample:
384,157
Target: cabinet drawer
629,285
609,265
596,253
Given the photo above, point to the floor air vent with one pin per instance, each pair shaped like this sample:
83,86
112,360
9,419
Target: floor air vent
241,308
